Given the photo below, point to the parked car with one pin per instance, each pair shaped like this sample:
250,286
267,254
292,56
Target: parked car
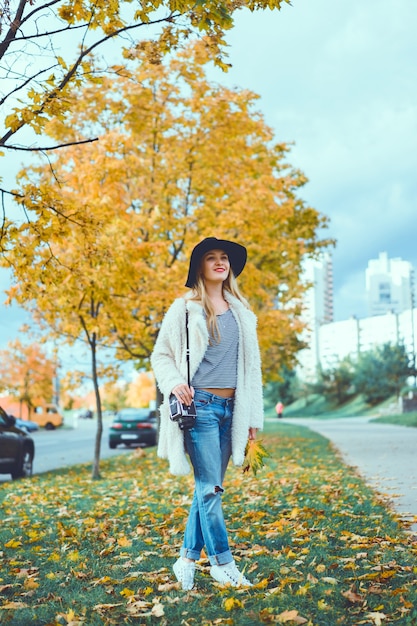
27,425
17,448
133,426
86,415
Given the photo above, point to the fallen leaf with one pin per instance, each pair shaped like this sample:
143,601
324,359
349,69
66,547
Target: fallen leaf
158,610
376,617
13,543
127,593
352,596
291,616
14,605
106,607
232,603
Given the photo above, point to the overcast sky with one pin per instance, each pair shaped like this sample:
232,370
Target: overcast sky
339,79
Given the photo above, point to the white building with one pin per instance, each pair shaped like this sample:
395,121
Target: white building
318,310
350,337
347,338
389,285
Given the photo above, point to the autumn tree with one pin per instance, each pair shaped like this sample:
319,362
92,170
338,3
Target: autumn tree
46,48
27,373
141,391
110,225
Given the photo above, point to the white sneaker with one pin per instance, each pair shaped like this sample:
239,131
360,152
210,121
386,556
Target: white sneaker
229,575
184,573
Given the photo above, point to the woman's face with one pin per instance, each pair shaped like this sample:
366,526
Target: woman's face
215,266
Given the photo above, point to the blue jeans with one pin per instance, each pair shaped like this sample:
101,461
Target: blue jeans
209,445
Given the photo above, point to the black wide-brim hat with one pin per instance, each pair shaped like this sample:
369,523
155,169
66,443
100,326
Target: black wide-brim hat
237,256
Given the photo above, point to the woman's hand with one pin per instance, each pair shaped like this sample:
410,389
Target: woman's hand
184,393
252,433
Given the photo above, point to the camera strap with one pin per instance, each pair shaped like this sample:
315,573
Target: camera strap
187,352
181,413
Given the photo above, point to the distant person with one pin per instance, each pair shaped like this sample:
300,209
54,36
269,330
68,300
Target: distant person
226,385
279,408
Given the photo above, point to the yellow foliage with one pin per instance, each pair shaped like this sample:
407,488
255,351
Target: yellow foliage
142,390
12,122
30,583
255,453
127,592
232,603
13,543
111,224
26,372
174,22
124,542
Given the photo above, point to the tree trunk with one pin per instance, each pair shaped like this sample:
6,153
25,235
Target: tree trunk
158,402
99,432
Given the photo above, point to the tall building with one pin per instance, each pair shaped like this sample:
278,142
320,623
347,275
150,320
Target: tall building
392,319
317,310
389,285
318,300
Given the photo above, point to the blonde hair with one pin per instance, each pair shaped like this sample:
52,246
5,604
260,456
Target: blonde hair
200,295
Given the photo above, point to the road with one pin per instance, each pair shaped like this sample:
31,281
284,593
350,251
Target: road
384,455
69,445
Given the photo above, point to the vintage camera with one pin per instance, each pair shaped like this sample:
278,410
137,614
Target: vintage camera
181,413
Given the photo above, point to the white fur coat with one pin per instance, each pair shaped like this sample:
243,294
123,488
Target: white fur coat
170,368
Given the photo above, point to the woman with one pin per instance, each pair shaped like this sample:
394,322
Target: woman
226,386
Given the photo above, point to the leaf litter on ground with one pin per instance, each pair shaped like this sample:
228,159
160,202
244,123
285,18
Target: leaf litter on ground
320,547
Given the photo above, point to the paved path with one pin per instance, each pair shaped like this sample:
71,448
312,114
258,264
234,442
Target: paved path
385,456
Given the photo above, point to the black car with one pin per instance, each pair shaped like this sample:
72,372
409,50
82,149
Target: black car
17,449
133,426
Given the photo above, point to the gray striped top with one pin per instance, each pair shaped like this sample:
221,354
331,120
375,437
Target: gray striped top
218,369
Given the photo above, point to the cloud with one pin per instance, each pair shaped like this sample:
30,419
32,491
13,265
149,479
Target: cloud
340,80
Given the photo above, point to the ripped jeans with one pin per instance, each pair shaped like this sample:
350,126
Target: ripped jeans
209,446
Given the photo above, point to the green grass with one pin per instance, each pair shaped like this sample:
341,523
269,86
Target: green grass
401,419
320,547
311,405
319,407
316,405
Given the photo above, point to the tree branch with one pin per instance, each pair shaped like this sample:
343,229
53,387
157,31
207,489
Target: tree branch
61,145
17,22
50,208
53,94
26,82
14,25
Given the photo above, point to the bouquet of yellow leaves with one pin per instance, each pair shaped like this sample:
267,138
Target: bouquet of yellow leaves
255,453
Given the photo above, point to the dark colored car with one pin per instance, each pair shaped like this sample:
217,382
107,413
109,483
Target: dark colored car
17,449
133,426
